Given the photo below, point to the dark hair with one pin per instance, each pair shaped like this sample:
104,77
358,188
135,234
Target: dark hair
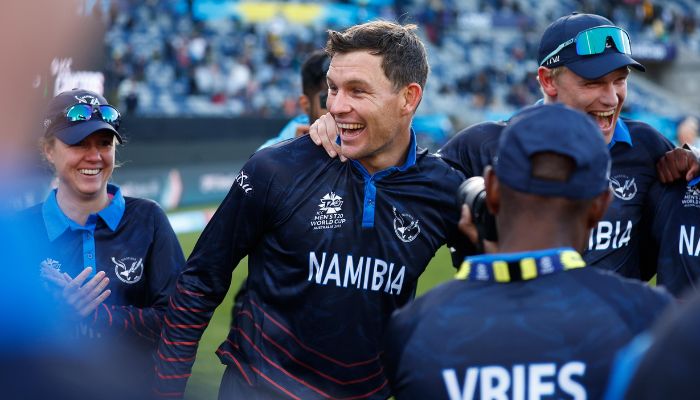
404,58
313,72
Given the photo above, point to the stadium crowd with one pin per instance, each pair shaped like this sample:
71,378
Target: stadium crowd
168,58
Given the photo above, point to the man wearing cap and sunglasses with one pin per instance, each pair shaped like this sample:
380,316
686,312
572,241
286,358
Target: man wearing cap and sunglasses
110,260
531,321
585,62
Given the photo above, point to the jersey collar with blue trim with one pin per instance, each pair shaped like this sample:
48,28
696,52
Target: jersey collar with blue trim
410,161
621,134
57,222
522,266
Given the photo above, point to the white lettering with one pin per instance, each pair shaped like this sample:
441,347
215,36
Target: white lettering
398,281
495,382
314,265
367,274
607,235
604,235
519,382
388,278
452,386
626,235
567,384
686,239
537,380
368,261
352,272
378,276
537,387
333,271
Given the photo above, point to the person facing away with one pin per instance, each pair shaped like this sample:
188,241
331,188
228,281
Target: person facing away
333,248
585,63
312,100
110,261
532,320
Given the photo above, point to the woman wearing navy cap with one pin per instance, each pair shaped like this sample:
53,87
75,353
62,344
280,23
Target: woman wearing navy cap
112,260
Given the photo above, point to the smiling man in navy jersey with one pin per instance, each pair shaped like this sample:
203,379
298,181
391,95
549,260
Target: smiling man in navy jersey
531,321
333,248
585,62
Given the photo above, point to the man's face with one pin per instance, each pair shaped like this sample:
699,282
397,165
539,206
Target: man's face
372,121
601,98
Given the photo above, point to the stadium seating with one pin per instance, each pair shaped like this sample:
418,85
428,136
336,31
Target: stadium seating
216,57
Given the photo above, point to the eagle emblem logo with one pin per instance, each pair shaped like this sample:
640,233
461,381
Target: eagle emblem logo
406,227
623,187
128,269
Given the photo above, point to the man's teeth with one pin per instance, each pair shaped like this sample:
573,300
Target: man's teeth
350,126
604,113
85,171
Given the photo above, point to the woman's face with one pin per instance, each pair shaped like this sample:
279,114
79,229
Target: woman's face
83,169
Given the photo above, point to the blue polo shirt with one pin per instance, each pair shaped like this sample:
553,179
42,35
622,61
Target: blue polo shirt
332,251
57,223
521,325
617,242
131,240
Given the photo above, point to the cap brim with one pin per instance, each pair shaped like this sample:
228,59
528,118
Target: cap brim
74,134
597,66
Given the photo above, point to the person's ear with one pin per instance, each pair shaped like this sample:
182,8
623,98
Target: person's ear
47,147
547,81
493,190
305,104
411,96
598,208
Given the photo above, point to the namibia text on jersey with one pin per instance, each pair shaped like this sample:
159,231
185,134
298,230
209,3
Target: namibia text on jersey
363,272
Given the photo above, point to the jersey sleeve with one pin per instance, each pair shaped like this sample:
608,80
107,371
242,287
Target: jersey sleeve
162,266
234,229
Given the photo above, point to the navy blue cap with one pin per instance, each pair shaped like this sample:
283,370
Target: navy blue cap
56,124
559,129
588,66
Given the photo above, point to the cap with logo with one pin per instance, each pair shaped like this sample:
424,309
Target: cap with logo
558,129
57,121
588,44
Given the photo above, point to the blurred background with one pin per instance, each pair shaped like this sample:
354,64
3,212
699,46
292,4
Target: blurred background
202,83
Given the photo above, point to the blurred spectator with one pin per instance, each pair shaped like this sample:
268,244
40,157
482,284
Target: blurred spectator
687,132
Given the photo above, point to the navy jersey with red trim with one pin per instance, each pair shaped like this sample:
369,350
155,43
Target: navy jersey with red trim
676,230
142,259
554,336
615,243
332,252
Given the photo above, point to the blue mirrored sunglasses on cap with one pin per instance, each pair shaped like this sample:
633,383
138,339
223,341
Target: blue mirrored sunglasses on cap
594,40
84,112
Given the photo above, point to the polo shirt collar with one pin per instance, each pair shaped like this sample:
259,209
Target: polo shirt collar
621,134
410,161
57,222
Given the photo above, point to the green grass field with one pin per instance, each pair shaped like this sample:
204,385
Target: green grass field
207,371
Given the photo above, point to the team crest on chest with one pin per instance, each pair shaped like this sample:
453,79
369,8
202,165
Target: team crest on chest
405,226
128,269
330,212
623,187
